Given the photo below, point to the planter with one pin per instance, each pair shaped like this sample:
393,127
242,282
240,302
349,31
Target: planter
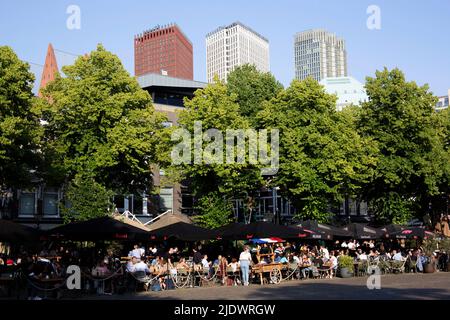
345,273
429,268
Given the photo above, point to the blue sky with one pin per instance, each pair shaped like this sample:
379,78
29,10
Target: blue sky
414,35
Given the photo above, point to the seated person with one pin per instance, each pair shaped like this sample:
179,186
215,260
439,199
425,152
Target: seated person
205,263
279,249
155,261
101,269
361,255
141,266
277,258
306,266
182,264
136,252
265,249
163,272
397,256
234,265
283,259
131,265
294,259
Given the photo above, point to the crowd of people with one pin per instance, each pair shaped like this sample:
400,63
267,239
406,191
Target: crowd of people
231,266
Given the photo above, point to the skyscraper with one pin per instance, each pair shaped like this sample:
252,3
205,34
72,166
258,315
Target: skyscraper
234,45
164,50
319,54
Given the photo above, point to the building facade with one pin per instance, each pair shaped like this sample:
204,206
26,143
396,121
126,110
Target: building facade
234,45
348,90
164,50
443,102
319,54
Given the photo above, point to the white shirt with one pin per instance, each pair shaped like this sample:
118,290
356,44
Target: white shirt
135,253
131,267
296,259
325,253
344,244
397,257
245,256
205,263
234,266
351,245
141,266
362,256
334,261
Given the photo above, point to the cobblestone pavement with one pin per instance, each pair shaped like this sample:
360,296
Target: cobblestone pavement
400,286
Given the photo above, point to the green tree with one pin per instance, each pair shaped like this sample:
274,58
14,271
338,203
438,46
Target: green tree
214,211
400,117
252,88
322,158
216,109
86,199
99,121
19,126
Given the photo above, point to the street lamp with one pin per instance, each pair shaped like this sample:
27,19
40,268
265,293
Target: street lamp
275,204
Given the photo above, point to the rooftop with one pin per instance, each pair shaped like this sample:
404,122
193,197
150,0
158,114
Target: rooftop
158,80
237,23
159,27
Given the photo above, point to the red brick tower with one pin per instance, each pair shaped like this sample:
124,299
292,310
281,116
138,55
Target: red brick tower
164,49
50,68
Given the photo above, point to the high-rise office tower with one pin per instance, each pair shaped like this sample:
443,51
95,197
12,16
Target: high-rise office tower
164,50
319,54
234,45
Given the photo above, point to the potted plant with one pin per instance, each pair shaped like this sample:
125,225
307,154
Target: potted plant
429,246
345,264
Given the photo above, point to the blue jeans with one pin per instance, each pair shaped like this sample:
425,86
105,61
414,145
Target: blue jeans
245,269
305,272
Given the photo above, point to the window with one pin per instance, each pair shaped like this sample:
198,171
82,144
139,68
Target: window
50,204
119,202
27,204
166,199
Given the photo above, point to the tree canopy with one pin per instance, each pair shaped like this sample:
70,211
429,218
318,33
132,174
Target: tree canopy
322,157
99,121
412,160
19,126
252,88
95,132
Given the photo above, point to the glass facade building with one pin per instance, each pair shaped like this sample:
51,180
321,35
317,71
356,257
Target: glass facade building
319,54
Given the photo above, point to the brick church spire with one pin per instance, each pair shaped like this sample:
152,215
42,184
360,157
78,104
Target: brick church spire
50,68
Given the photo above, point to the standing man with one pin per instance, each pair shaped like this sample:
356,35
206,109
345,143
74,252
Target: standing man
244,260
